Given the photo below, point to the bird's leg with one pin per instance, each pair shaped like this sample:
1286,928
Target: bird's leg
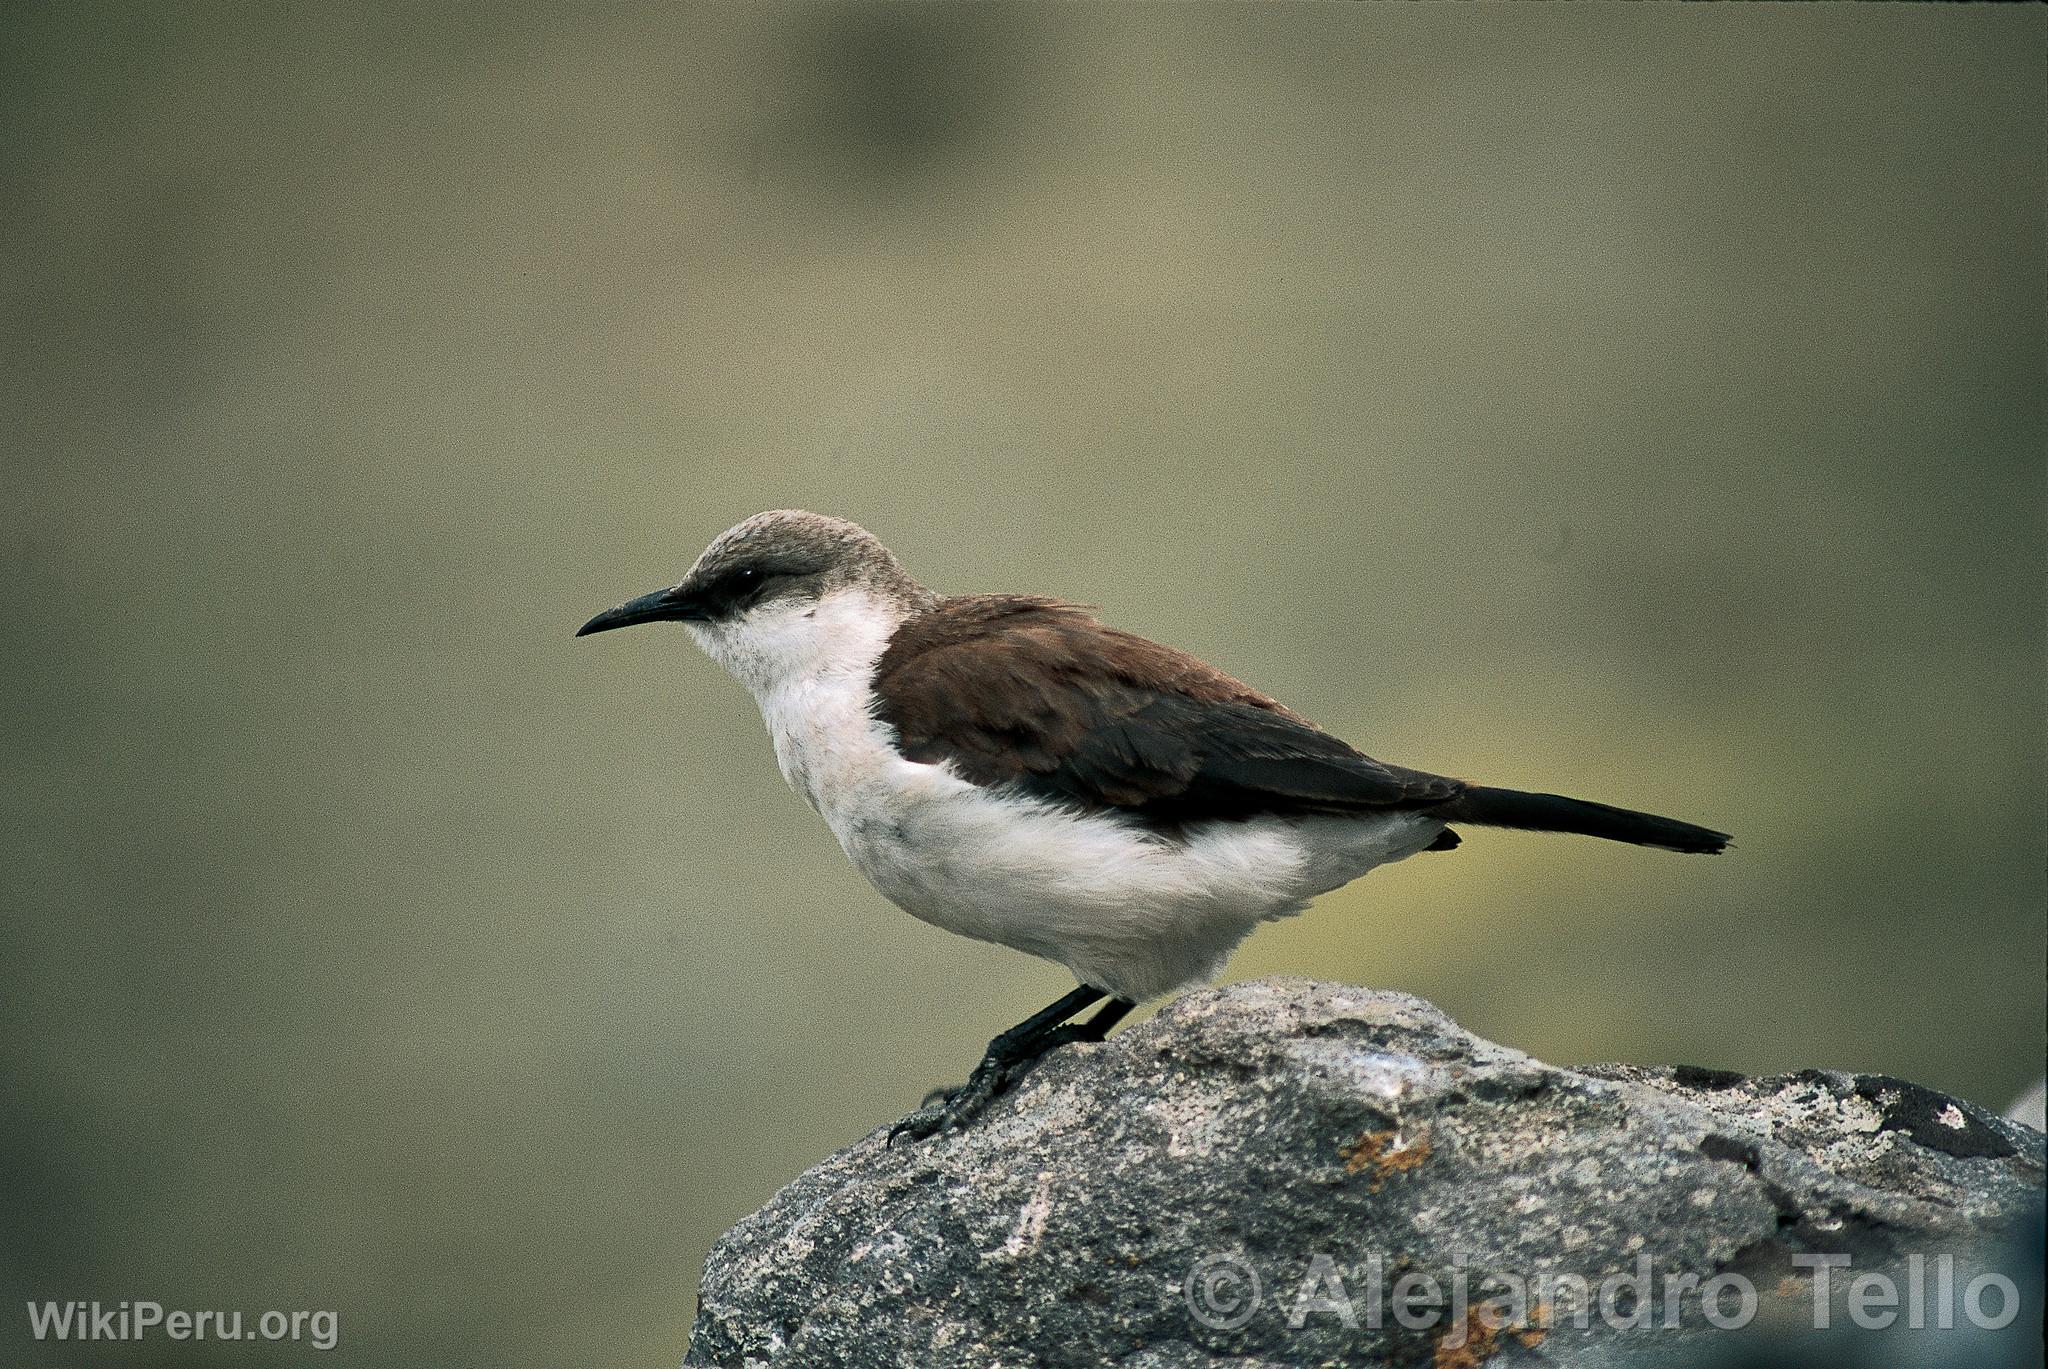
1009,1057
1003,1061
1094,1029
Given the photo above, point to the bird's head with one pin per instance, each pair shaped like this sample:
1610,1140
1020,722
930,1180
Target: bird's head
784,595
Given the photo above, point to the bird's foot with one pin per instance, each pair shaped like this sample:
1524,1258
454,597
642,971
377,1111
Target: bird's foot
953,1109
1009,1058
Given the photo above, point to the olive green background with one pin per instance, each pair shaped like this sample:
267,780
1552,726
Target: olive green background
1644,403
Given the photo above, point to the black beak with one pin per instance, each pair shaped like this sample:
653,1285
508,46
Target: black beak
662,606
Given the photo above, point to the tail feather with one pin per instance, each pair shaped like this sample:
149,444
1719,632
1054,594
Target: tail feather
1556,813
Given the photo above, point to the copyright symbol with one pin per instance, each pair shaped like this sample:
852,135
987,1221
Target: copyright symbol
1222,1292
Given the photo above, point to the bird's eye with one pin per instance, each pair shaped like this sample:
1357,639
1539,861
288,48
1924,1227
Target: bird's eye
747,575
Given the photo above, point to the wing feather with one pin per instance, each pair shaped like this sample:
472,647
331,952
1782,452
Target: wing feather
1036,693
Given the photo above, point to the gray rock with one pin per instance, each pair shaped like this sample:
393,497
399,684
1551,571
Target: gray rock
1244,1179
2031,1107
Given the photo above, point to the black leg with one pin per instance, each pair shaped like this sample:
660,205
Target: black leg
1009,1058
1111,1013
1021,1040
1027,1040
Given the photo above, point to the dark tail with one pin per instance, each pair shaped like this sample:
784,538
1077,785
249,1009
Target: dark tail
1555,813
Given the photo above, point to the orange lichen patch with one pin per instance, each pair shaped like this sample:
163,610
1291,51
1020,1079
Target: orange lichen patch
1470,1346
1480,1340
1382,1155
1789,1287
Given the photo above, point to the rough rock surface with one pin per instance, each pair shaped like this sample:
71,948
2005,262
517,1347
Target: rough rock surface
1232,1182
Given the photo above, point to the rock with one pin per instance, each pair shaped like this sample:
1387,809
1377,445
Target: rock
1245,1179
2031,1107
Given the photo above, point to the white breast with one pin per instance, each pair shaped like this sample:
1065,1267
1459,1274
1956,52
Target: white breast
1126,910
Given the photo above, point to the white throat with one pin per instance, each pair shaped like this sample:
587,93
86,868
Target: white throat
810,667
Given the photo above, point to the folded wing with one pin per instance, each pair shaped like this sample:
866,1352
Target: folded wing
1037,694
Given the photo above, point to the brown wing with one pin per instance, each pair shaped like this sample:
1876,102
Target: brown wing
1036,693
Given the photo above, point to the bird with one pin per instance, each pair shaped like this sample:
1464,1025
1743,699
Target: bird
1009,768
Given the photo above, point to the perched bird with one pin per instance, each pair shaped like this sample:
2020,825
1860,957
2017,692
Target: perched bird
1007,767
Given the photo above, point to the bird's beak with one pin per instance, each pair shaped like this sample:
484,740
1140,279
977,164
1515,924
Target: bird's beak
664,605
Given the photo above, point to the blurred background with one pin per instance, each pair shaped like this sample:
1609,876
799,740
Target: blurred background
1644,403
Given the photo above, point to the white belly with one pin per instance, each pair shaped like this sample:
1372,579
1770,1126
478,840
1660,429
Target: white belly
1126,910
